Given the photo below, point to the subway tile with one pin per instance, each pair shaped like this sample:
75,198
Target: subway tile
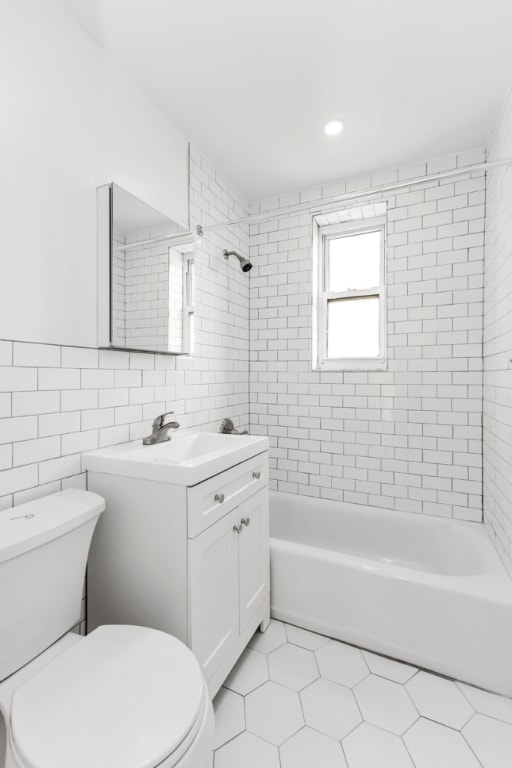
128,414
77,400
319,436
428,293
29,403
109,398
32,451
142,360
79,357
59,423
114,435
18,428
6,502
22,497
96,418
497,448
5,405
113,358
76,442
6,456
96,378
36,355
5,352
56,469
127,378
18,479
75,481
153,378
18,379
59,378
139,395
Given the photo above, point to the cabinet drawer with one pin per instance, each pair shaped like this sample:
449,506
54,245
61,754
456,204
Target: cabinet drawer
207,502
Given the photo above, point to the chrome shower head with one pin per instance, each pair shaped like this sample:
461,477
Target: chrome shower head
245,264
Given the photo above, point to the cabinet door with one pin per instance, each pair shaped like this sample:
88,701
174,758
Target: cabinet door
213,592
253,556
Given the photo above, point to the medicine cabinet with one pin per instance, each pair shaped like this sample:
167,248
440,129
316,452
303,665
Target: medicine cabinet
145,277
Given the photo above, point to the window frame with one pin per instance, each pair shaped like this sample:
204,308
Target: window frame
321,297
186,253
188,303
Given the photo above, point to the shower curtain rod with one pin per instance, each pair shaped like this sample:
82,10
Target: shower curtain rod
317,206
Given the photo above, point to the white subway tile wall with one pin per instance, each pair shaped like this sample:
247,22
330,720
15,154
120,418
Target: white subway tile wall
57,402
410,437
498,344
147,297
407,438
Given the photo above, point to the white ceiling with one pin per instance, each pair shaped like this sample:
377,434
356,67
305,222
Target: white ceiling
252,82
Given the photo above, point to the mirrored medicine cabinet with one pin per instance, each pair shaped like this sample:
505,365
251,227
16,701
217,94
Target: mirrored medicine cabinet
145,277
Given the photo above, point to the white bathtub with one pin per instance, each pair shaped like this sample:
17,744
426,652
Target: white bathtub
429,591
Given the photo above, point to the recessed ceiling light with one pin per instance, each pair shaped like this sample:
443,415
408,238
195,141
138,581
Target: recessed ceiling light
333,128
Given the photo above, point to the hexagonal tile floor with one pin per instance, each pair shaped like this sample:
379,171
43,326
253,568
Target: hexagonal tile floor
300,700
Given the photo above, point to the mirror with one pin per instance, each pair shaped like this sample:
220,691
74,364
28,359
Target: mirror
145,271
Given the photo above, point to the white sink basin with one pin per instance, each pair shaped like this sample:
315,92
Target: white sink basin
186,459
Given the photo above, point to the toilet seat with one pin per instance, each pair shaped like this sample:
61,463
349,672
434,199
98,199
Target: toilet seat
123,697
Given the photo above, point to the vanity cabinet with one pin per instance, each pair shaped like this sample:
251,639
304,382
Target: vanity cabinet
191,561
228,577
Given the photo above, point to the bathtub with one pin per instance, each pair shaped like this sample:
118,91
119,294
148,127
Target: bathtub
428,591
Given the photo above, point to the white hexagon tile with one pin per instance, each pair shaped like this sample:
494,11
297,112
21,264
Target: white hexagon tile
297,699
342,663
273,712
293,666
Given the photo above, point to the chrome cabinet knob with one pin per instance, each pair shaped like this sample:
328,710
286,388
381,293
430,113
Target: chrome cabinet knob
245,521
219,497
238,529
256,475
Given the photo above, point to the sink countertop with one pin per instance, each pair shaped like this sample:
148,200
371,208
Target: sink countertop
187,459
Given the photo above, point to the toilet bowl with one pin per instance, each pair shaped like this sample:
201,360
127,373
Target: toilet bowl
122,697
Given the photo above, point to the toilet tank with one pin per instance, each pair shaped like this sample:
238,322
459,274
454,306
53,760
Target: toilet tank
44,546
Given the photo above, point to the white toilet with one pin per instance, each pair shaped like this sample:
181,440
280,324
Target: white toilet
122,697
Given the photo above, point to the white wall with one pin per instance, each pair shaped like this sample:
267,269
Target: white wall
71,121
498,343
58,401
407,438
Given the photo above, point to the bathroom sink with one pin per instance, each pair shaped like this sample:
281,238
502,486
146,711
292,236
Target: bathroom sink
188,458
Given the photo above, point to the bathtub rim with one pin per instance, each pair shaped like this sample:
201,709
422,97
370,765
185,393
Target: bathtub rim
476,533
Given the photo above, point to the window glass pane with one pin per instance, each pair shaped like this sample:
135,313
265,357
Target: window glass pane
353,327
354,261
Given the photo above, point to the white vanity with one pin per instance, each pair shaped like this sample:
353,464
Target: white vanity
183,545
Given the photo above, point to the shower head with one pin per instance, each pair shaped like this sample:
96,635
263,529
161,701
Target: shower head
245,264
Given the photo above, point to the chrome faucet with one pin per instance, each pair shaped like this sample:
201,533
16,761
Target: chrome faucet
160,430
228,428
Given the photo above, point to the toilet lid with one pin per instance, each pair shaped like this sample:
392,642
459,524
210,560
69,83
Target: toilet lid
124,697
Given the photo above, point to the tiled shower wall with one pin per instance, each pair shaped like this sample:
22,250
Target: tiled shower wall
57,402
409,437
498,343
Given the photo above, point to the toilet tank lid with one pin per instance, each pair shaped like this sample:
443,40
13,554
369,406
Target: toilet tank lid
30,525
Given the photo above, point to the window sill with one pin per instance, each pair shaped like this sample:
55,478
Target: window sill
356,364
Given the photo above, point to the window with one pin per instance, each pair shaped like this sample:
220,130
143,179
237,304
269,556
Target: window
188,305
181,300
350,297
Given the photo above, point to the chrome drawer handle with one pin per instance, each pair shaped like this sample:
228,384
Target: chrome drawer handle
245,521
256,475
219,497
238,529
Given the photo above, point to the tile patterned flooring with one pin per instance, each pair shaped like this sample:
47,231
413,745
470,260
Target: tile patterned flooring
300,700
